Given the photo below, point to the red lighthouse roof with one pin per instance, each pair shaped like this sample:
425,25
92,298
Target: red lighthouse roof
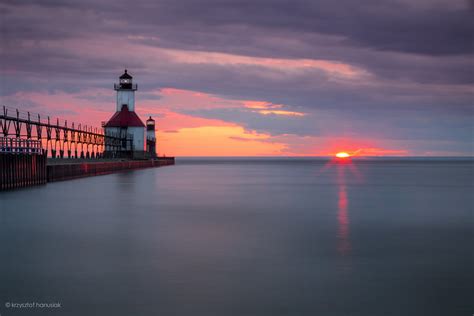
125,118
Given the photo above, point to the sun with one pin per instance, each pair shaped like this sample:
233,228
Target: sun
342,154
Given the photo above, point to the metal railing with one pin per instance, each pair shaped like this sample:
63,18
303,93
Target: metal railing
125,86
24,146
57,137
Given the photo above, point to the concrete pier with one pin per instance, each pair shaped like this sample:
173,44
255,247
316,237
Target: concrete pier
58,170
20,170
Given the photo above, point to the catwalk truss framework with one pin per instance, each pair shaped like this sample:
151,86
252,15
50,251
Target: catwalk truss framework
58,138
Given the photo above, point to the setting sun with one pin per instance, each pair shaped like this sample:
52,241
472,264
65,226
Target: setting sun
342,154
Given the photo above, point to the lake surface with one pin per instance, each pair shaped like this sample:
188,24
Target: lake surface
245,237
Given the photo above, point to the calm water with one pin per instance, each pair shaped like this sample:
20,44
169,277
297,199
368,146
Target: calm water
245,237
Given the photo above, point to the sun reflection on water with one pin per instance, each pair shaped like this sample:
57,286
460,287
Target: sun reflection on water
344,245
344,169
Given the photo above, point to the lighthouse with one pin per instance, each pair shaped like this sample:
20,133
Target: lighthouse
150,137
125,122
125,92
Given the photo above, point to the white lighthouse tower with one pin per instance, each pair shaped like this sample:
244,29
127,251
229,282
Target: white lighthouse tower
150,137
125,122
125,92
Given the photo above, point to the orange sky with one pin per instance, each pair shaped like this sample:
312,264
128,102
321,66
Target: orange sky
181,134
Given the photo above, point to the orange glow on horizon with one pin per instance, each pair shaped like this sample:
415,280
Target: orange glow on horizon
342,154
231,140
183,133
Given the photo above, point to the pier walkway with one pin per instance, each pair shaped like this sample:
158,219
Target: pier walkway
35,149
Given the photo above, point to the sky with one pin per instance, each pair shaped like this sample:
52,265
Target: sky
253,78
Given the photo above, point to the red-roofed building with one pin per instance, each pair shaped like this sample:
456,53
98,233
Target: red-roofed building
125,122
124,118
